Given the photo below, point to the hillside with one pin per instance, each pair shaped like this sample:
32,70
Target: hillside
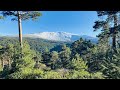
36,44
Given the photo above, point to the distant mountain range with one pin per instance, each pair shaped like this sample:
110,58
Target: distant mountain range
60,36
57,36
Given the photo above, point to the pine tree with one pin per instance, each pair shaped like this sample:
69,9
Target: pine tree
21,67
53,60
77,63
104,36
21,16
111,16
64,56
82,47
111,65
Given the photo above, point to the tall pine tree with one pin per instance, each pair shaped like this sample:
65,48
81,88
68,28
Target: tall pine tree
21,16
111,18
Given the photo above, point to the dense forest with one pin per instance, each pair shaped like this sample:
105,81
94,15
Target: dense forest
39,59
36,44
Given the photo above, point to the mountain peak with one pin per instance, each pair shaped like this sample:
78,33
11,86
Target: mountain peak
57,36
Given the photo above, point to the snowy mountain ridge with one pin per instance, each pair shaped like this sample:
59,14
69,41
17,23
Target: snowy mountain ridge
58,36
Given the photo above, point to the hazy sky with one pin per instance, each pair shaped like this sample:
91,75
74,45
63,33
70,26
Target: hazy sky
78,22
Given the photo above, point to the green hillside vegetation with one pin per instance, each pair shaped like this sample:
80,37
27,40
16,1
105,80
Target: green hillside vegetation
82,59
46,65
36,44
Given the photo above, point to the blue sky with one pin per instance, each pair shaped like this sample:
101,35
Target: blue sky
78,22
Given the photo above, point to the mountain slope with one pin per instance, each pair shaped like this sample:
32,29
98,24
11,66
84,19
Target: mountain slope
60,36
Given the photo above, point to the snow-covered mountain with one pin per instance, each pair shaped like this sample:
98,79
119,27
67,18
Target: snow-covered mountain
59,36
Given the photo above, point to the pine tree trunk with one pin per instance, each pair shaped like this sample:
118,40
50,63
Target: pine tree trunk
9,63
20,28
115,33
114,41
2,63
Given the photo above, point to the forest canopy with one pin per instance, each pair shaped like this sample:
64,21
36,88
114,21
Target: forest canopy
27,58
